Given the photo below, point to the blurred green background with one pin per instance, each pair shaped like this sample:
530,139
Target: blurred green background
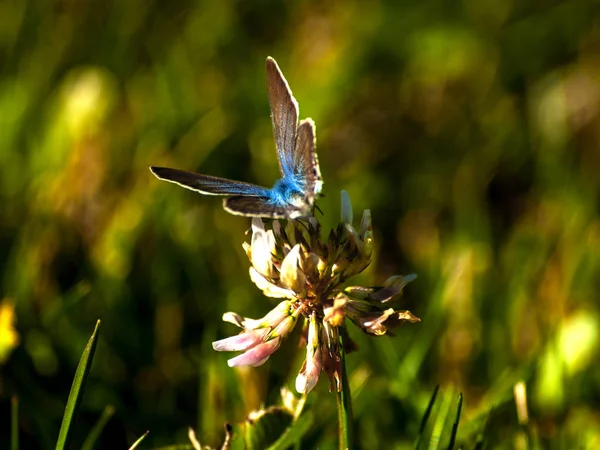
471,129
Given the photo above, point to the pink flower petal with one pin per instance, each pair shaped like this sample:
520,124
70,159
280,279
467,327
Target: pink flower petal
256,355
241,342
311,369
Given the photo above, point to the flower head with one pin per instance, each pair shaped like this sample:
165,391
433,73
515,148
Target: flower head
294,263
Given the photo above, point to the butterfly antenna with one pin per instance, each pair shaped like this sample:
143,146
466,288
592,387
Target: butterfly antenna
319,209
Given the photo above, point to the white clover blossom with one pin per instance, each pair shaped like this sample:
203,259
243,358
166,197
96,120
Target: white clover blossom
294,263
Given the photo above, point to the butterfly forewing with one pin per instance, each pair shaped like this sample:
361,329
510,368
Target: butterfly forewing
207,184
284,114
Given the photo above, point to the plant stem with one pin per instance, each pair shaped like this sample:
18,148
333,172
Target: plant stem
344,401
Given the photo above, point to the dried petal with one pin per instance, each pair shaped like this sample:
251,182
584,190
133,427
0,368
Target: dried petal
393,287
312,265
332,362
334,315
379,325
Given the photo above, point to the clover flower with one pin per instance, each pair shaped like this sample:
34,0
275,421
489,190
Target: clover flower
294,263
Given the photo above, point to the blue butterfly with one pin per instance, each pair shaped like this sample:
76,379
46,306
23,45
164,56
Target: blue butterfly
293,195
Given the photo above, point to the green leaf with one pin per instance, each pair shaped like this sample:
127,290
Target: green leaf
83,369
98,427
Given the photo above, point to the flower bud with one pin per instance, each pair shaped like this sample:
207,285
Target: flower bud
365,224
310,265
347,213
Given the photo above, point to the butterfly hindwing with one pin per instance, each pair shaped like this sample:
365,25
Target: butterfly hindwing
305,158
259,207
284,114
207,184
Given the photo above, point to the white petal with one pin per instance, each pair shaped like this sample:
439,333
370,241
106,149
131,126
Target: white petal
268,288
291,275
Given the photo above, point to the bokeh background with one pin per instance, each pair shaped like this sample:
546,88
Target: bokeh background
471,129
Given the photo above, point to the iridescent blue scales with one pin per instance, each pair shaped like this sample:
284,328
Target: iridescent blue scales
294,194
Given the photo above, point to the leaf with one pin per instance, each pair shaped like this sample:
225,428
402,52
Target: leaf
83,369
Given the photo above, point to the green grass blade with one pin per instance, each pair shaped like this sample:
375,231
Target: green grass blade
14,422
455,424
139,441
439,424
83,369
98,427
426,416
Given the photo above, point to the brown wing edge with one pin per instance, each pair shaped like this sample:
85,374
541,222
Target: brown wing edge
259,207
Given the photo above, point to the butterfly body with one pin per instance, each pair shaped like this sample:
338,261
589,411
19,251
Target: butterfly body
294,194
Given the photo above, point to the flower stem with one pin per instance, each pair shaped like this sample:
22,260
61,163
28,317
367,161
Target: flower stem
344,401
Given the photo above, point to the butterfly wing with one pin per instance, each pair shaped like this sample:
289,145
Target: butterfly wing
284,114
296,143
207,184
306,162
260,207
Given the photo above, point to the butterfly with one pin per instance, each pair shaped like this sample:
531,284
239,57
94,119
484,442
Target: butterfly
294,194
